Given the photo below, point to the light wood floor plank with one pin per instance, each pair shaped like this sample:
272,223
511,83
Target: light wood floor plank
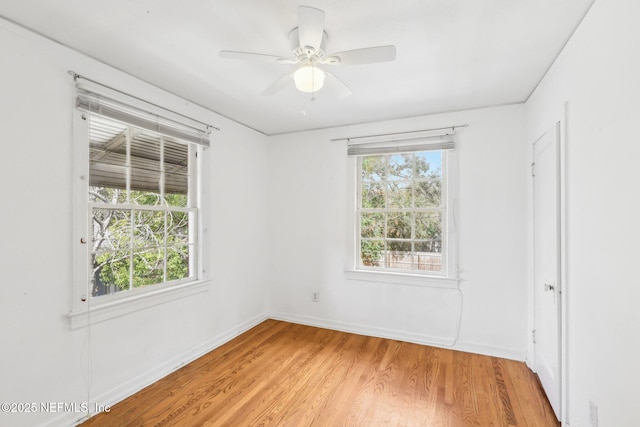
283,374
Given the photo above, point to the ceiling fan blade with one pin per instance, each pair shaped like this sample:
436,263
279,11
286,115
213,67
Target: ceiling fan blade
368,55
233,54
310,27
336,87
278,85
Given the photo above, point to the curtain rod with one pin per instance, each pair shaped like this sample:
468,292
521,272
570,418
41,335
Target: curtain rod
77,76
349,139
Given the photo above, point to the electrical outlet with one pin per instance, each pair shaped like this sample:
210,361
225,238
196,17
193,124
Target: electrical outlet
315,296
593,414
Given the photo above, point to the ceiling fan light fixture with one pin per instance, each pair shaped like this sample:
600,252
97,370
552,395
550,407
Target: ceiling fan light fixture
307,42
309,78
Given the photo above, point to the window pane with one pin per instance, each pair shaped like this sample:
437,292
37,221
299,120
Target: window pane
372,224
371,252
427,256
148,230
178,263
107,195
428,194
145,168
399,225
400,167
428,164
373,195
111,243
110,272
431,246
399,255
180,200
111,230
148,198
176,166
177,228
400,194
148,267
374,168
428,226
107,161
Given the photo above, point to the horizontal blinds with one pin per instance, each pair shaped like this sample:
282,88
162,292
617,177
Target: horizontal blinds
406,145
95,103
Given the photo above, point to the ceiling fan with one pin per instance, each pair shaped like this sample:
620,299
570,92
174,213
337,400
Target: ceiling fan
308,41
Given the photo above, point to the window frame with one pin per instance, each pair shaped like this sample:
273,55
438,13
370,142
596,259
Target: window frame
448,277
395,210
85,309
134,209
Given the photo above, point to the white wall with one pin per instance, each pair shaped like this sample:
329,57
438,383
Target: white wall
597,74
41,359
267,191
308,214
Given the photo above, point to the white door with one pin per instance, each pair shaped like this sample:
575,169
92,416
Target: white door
547,286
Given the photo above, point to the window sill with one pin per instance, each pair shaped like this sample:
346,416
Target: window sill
403,279
99,312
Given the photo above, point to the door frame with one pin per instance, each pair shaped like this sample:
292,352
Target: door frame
564,293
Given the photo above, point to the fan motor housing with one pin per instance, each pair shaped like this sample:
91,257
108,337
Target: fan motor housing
308,52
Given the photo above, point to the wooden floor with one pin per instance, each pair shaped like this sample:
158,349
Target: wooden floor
282,374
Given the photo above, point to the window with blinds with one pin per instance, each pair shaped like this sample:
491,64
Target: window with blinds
142,195
403,205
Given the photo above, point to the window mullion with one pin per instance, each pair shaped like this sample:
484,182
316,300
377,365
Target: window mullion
385,182
131,247
128,198
164,203
444,204
193,236
162,172
414,183
92,254
359,210
165,243
414,255
128,164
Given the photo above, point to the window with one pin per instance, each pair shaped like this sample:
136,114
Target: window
403,220
401,212
139,207
143,207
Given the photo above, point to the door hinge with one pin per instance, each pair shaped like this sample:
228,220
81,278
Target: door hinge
533,169
533,336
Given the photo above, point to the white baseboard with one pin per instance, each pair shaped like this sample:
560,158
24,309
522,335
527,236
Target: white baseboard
434,341
147,378
495,351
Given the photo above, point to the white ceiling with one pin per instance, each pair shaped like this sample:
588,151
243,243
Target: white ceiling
451,54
